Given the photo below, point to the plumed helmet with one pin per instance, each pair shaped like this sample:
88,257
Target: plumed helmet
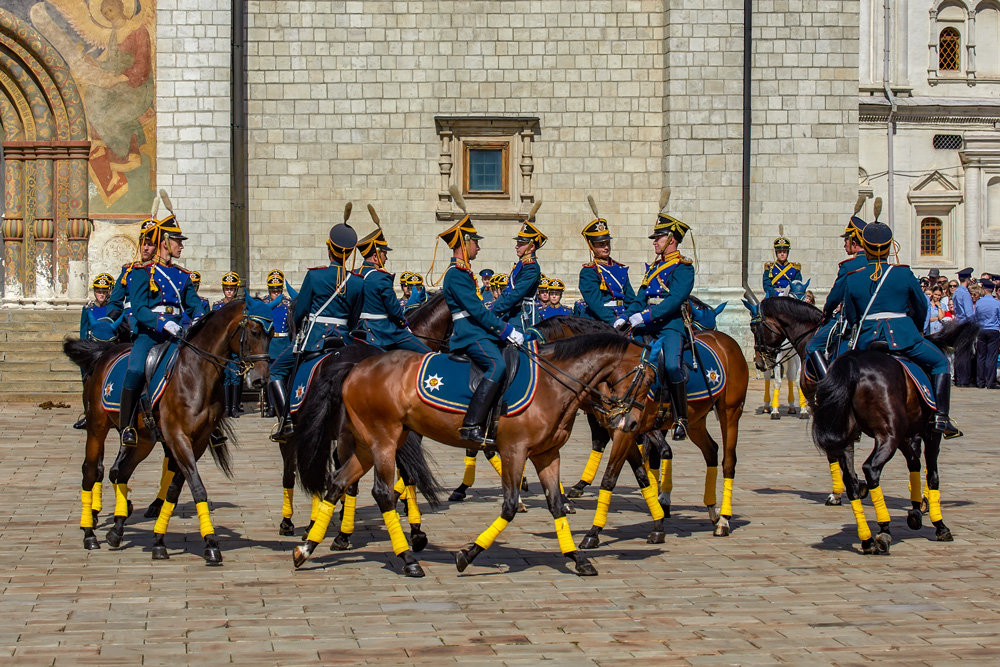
195,277
104,281
275,278
231,279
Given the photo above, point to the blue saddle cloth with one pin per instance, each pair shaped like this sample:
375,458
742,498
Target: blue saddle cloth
303,378
917,375
111,396
696,386
443,383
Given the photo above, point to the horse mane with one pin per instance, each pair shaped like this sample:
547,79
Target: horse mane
423,311
574,324
575,346
196,328
799,311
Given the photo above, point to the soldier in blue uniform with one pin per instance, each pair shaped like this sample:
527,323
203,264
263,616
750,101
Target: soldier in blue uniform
604,283
196,281
382,318
98,308
418,293
779,274
327,306
281,314
160,293
477,331
486,278
119,302
816,348
517,301
656,312
232,383
555,309
886,302
404,285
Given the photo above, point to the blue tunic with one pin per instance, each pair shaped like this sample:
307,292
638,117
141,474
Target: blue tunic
821,338
382,318
665,287
477,331
961,304
554,311
606,290
988,313
281,315
780,276
517,301
89,316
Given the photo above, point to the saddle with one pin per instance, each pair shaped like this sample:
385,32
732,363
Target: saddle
154,358
511,359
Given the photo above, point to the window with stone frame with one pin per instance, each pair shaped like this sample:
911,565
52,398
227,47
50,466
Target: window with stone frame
931,237
949,50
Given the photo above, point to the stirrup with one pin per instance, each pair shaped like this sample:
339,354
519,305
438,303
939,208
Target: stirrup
943,425
81,423
283,430
476,435
129,436
680,429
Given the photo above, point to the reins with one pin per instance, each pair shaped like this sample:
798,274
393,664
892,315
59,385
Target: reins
247,361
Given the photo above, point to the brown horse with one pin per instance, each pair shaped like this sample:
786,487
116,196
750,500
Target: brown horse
382,405
728,407
190,409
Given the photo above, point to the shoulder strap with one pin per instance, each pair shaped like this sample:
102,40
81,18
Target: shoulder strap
878,288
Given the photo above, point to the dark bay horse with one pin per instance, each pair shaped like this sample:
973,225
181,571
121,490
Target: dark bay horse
382,405
728,407
190,408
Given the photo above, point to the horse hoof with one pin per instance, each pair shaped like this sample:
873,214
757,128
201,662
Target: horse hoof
160,552
419,541
153,510
342,542
589,542
456,496
775,415
804,414
914,519
722,529
413,570
656,537
575,491
301,553
882,542
286,527
833,500
568,508
90,543
213,556
114,538
868,546
521,508
585,569
944,535
462,560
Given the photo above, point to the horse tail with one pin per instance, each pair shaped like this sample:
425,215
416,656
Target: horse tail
411,459
85,353
958,335
221,454
832,419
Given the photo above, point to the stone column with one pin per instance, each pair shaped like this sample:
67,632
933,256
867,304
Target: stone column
972,224
44,232
13,230
79,225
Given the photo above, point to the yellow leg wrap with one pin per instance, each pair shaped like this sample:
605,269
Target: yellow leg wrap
469,476
350,509
593,463
915,496
791,393
286,502
562,491
399,543
166,511
166,476
649,495
803,403
837,475
878,501
324,512
775,402
495,462
121,499
767,391
566,544
651,476
86,517
400,487
603,503
412,509
485,539
711,477
204,519
864,532
667,475
727,497
95,501
314,512
934,504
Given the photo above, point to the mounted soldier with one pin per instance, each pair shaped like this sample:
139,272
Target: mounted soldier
604,283
160,294
780,274
555,309
418,293
232,382
119,301
656,311
382,318
517,301
327,306
477,331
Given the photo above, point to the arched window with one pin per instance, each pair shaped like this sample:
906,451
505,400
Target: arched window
930,236
949,44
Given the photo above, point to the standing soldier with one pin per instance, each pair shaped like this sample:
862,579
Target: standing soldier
517,302
327,306
281,307
486,276
604,283
656,311
780,274
196,281
381,316
160,292
232,383
418,294
556,289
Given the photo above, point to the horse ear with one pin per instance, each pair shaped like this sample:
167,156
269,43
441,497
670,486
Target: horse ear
721,307
806,286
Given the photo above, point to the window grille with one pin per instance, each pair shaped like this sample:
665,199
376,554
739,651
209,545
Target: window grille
930,237
949,43
947,142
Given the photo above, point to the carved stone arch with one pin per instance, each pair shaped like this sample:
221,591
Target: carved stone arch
45,147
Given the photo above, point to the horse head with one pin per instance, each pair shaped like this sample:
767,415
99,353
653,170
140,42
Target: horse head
767,336
256,329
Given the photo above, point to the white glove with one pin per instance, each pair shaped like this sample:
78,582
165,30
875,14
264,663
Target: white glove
619,323
636,320
173,328
515,337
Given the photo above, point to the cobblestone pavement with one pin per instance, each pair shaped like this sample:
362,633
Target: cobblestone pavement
789,585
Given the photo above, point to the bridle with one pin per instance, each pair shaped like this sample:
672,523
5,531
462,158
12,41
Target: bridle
245,359
770,354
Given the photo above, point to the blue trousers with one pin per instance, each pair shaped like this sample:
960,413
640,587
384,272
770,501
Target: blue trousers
670,344
135,375
282,366
486,355
401,339
818,342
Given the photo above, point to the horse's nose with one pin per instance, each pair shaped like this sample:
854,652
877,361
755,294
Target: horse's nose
629,424
257,383
761,366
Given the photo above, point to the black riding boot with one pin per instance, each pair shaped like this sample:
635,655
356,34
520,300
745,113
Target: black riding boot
227,401
81,423
280,400
679,404
942,397
235,400
473,427
819,364
126,416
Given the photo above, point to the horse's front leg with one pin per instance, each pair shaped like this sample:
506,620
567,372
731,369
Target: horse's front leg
599,439
620,450
121,472
286,527
547,466
346,475
646,479
932,448
163,518
914,517
514,453
183,452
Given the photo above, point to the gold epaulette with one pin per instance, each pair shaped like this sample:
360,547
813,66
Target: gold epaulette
590,265
767,266
528,260
685,260
797,266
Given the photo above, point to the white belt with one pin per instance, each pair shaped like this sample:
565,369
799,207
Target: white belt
613,303
281,335
460,315
169,310
885,316
372,316
654,299
322,319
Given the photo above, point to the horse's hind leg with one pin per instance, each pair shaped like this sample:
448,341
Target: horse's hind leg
125,464
884,449
598,441
468,477
167,472
547,467
647,487
163,518
932,448
418,538
183,452
666,484
286,527
852,486
729,421
349,472
342,542
385,472
90,496
914,517
698,432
